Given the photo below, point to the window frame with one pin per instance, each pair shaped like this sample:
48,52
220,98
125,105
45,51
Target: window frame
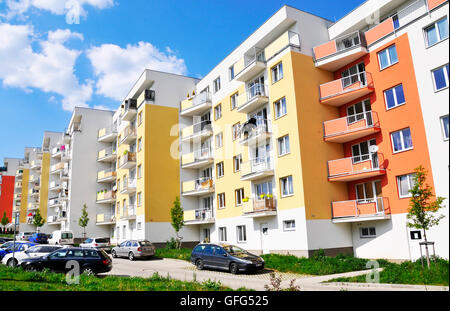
235,129
231,73
220,164
219,110
292,228
410,177
236,193
369,235
243,230
280,101
278,71
438,35
234,99
216,85
217,145
446,77
235,158
389,57
223,234
402,141
221,199
395,97
441,119
290,184
282,142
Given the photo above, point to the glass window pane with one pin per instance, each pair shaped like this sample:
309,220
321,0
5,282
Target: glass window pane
390,101
397,142
383,59
403,185
400,95
407,138
443,28
431,35
393,54
445,125
439,78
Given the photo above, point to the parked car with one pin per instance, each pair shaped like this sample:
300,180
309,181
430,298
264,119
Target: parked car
4,240
35,251
10,246
40,238
24,236
97,243
133,249
91,261
61,237
226,257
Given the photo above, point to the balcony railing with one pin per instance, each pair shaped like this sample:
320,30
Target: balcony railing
198,156
107,154
351,127
260,206
105,219
255,130
129,212
128,160
254,61
346,89
54,202
128,135
106,196
199,216
257,168
196,104
358,210
107,134
357,167
106,175
257,95
128,186
203,128
57,167
199,186
129,109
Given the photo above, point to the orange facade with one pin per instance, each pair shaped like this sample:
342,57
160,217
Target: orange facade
408,115
7,196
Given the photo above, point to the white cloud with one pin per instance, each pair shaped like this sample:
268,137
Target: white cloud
50,70
117,69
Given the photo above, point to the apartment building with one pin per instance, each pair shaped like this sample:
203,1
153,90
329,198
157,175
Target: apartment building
306,135
7,186
143,180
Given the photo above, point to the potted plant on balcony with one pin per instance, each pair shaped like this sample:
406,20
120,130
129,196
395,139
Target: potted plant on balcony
125,152
245,199
262,196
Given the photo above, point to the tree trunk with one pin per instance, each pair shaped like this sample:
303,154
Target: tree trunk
426,248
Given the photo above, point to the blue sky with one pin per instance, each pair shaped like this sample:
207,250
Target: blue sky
48,66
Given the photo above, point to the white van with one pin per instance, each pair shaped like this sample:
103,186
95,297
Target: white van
61,237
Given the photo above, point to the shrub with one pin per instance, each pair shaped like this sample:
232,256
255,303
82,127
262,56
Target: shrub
171,244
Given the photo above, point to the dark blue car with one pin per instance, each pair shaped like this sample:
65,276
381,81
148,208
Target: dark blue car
40,238
8,247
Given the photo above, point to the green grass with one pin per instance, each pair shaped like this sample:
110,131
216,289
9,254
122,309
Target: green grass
183,253
11,236
15,279
409,273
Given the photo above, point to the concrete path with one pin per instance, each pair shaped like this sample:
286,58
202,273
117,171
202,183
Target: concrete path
184,271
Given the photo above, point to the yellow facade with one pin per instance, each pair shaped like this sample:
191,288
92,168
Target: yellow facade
24,201
45,176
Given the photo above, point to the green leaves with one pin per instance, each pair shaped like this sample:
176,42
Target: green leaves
5,219
84,219
38,221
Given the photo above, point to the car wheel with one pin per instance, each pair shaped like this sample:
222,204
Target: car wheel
88,271
131,256
234,268
12,262
199,264
30,268
113,254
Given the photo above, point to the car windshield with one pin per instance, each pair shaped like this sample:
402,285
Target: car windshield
234,250
101,240
7,245
41,235
145,243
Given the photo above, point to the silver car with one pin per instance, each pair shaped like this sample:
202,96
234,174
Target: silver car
134,249
97,243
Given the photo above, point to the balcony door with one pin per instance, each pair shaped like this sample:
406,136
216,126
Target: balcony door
360,111
354,74
256,87
261,118
361,153
370,192
263,188
207,203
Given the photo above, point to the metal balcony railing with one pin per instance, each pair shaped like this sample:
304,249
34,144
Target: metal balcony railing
361,208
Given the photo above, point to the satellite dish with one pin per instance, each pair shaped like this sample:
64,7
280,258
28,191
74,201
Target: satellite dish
373,149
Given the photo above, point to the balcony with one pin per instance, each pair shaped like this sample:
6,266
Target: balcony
197,159
128,186
256,169
361,210
56,152
35,165
197,187
54,186
106,135
199,130
106,176
17,196
129,213
107,155
33,206
33,178
255,131
352,127
257,96
340,52
34,192
128,160
128,135
198,217
65,175
57,168
254,62
259,207
19,174
129,110
196,105
53,220
358,167
54,202
65,155
106,197
105,219
341,91
18,185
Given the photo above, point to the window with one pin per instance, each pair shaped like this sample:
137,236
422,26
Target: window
237,161
139,171
436,32
369,232
139,226
394,97
360,111
219,170
218,112
289,225
222,234
239,195
388,57
277,72
231,72
216,85
139,199
140,144
405,183
444,122
234,100
221,200
241,234
140,118
354,74
219,140
235,130
283,145
287,187
401,140
440,78
280,108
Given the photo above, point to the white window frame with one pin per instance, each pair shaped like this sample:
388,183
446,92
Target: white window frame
243,230
139,199
237,161
222,234
395,97
438,35
389,56
402,141
446,76
410,179
139,171
139,144
218,112
219,140
239,196
235,131
287,227
289,182
234,100
216,84
282,144
368,235
221,203
231,73
278,106
275,71
443,127
221,170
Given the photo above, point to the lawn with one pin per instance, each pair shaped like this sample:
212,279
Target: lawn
15,279
409,273
183,253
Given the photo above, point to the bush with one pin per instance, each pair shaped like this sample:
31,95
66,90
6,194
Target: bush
172,244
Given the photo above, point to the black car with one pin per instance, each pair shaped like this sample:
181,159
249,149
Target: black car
4,240
226,257
91,261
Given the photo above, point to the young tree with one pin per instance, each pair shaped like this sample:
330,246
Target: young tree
423,206
84,220
38,221
5,220
177,221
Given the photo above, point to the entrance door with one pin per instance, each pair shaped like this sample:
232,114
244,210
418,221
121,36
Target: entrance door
265,239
